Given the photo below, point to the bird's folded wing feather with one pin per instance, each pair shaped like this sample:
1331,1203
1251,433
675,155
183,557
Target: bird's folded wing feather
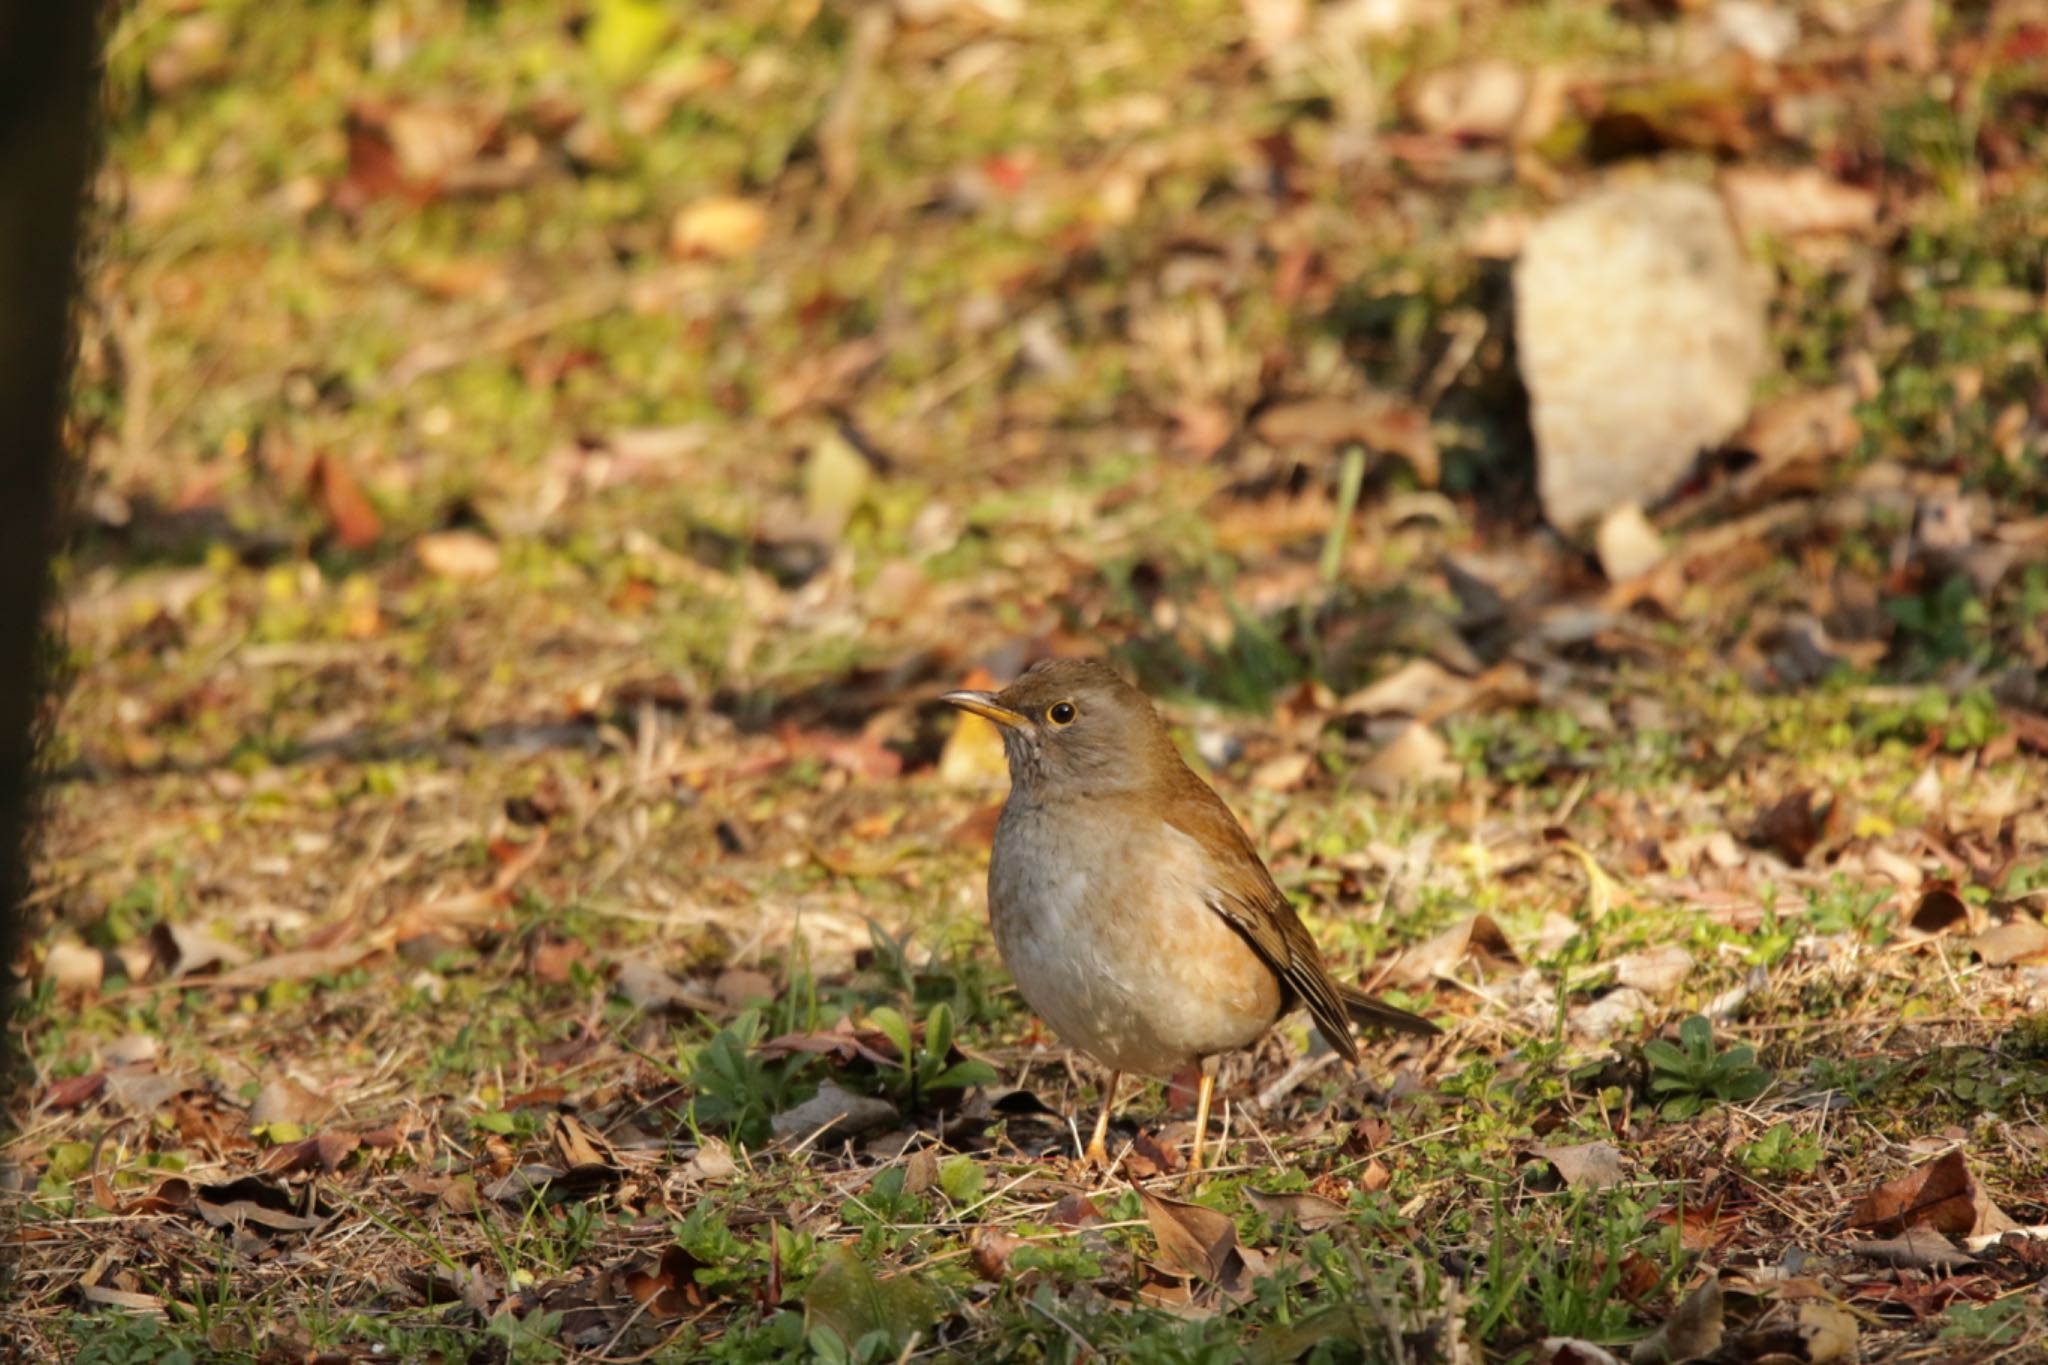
1246,896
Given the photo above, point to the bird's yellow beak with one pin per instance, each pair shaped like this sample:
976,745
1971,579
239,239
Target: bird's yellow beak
985,705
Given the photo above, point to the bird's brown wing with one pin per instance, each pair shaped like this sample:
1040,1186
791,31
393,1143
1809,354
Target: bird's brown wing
1247,897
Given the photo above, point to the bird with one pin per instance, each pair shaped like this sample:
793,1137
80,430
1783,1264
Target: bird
1130,906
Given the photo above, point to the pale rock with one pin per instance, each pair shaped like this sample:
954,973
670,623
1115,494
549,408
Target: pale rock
1628,545
1640,328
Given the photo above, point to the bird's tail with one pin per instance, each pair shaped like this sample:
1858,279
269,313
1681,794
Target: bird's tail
1371,1010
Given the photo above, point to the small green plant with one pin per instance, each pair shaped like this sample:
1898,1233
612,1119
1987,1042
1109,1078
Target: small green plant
2027,1039
530,1340
924,1066
855,1317
736,1091
1993,1323
1556,1270
959,979
104,1340
1780,1151
1691,1076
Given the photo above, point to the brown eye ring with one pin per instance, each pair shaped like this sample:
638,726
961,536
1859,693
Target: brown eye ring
1061,713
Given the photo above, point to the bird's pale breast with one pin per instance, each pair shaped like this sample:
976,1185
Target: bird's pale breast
1108,933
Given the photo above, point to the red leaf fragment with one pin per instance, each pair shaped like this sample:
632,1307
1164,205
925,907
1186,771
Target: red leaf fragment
75,1092
356,523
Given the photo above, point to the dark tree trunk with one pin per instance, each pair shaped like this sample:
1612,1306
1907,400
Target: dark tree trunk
49,75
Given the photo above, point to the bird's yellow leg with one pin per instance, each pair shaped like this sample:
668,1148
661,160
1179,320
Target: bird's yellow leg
1203,1095
1097,1154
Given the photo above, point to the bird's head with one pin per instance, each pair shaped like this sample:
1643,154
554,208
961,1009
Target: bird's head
1074,726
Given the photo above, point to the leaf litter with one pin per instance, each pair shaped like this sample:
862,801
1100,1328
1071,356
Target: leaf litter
655,534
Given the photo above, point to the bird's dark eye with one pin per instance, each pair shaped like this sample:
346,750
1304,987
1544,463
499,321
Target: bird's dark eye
1061,713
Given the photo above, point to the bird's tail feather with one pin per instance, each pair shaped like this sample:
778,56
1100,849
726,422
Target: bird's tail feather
1370,1010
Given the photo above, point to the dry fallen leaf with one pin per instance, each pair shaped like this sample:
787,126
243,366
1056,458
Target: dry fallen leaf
1794,826
1195,1241
284,1100
1613,1012
1309,1212
667,1288
1758,29
1420,687
1148,1156
836,481
1828,1331
302,965
323,1151
76,969
648,986
251,1201
356,524
721,226
1942,1196
183,949
1640,331
1903,34
74,1091
1477,940
1595,1165
835,1112
1281,773
921,1172
992,1248
554,960
743,986
2021,939
142,1090
579,1145
118,1288
1655,971
973,756
1918,1248
1377,422
1800,428
469,556
1939,910
713,1161
1417,755
1791,202
1693,1330
1489,99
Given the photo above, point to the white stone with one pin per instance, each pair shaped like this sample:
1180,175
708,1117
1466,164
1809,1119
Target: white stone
1640,327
